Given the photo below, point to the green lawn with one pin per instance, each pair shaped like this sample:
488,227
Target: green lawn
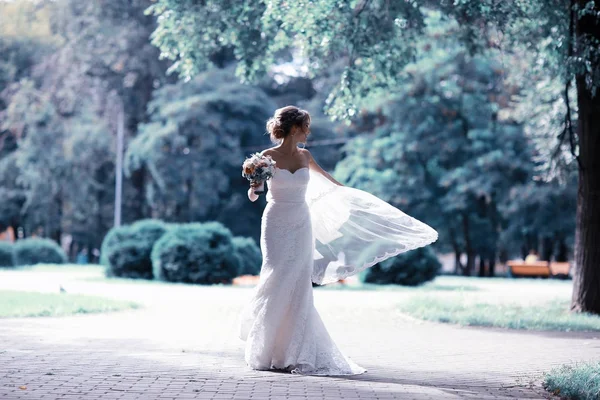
33,304
439,285
552,315
578,382
534,304
61,268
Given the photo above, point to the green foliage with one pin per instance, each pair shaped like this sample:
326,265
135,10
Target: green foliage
126,250
234,24
149,229
6,254
68,68
192,149
411,269
26,38
105,48
19,55
200,253
438,148
575,382
376,38
12,192
541,215
33,251
250,257
61,174
40,158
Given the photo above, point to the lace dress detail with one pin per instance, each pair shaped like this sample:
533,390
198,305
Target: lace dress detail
281,325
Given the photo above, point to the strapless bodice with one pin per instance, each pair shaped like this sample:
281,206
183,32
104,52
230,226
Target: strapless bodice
288,187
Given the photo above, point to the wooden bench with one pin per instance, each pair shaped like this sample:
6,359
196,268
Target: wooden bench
560,269
538,268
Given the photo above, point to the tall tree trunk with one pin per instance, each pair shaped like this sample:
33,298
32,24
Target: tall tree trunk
56,229
14,224
492,264
470,264
586,285
481,266
547,248
468,246
188,199
137,207
458,267
562,254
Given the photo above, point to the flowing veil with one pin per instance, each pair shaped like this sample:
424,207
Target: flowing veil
354,230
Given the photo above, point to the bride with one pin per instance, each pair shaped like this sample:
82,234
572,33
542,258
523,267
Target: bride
313,229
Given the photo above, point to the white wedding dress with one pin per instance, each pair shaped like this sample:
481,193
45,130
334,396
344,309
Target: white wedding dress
313,235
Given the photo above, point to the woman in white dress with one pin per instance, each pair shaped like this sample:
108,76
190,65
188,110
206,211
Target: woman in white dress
313,229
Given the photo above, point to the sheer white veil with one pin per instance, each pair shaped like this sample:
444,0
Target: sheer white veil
354,230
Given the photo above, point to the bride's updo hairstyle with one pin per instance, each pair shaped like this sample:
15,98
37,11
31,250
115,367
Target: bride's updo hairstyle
281,123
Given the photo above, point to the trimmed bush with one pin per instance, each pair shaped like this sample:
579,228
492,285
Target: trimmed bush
126,250
6,255
33,251
411,269
249,255
196,253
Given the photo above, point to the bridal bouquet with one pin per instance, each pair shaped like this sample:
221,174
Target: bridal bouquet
257,169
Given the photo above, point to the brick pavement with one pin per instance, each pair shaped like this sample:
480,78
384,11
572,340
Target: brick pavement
183,345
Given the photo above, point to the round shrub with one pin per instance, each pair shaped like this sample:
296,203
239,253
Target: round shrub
411,269
6,254
149,229
249,255
126,250
33,251
196,253
112,239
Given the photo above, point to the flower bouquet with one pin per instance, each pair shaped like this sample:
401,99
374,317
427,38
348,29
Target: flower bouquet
257,169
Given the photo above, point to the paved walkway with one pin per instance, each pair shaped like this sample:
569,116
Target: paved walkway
183,345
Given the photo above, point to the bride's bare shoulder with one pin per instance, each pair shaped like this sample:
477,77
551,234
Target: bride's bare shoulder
306,154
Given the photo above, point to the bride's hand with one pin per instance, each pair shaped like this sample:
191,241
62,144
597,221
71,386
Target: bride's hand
251,195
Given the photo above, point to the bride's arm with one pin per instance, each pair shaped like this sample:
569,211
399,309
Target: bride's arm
312,164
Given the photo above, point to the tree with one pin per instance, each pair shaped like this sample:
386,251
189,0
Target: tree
25,40
31,117
440,151
540,215
67,68
106,58
13,194
192,149
377,39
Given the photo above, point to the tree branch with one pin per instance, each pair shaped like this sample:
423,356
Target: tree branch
360,7
568,128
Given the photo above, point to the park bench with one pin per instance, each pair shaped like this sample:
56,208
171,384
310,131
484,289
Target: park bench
538,269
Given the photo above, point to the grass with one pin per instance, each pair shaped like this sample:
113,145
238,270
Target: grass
550,316
528,304
445,284
575,382
65,268
33,304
